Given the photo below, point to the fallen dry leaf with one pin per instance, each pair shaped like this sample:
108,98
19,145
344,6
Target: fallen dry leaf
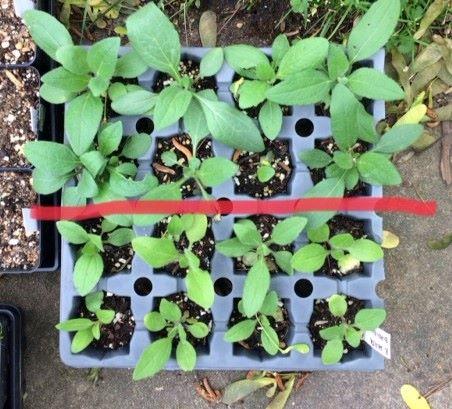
412,398
208,29
390,240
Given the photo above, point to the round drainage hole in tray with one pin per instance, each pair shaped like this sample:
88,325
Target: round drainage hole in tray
303,288
226,206
223,287
143,286
144,125
304,127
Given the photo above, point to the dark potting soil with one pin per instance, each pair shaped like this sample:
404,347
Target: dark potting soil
16,44
119,332
19,94
188,67
322,318
277,153
19,249
265,224
253,112
116,259
329,146
181,145
203,249
281,325
193,310
342,224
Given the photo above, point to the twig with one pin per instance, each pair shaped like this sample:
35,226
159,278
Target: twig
229,19
16,81
207,392
182,148
437,388
236,155
279,381
446,145
302,379
163,169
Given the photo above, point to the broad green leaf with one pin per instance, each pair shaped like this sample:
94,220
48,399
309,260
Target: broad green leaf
212,62
200,287
170,311
134,103
307,53
301,88
52,156
47,32
341,241
121,237
72,232
66,80
246,231
287,230
215,171
87,272
373,30
195,122
94,162
283,260
136,146
156,252
107,195
377,169
236,391
252,93
337,305
280,47
198,229
343,159
94,301
110,137
130,65
353,337
102,57
265,173
169,158
232,247
198,330
81,340
369,319
73,58
170,106
269,339
185,355
398,138
309,258
373,84
332,352
128,187
271,119
154,358
75,324
336,332
154,321
155,39
82,119
315,158
105,316
326,188
230,126
366,250
270,304
240,331
46,181
55,95
257,283
319,234
338,64
242,58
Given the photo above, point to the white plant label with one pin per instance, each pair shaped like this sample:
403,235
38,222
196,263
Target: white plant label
30,224
379,341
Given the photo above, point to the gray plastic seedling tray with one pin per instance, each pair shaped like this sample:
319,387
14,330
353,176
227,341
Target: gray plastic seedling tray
222,355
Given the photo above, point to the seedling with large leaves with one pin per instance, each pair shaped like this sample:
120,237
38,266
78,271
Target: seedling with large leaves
89,265
344,248
159,252
176,323
106,168
270,308
254,250
156,43
373,167
367,319
87,330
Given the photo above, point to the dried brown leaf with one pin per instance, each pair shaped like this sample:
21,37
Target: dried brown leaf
208,29
432,13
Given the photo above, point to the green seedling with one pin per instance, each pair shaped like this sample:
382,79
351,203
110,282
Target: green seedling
254,250
257,75
271,307
373,167
87,330
159,252
169,318
367,319
156,42
89,265
105,170
344,248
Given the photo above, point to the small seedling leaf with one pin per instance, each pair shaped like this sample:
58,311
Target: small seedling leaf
287,230
332,352
309,258
170,311
185,355
153,359
241,331
337,305
369,319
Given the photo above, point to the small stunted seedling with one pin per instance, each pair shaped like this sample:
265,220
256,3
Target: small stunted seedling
159,252
106,168
156,42
367,319
263,321
344,248
257,75
254,250
89,265
86,329
179,327
373,166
